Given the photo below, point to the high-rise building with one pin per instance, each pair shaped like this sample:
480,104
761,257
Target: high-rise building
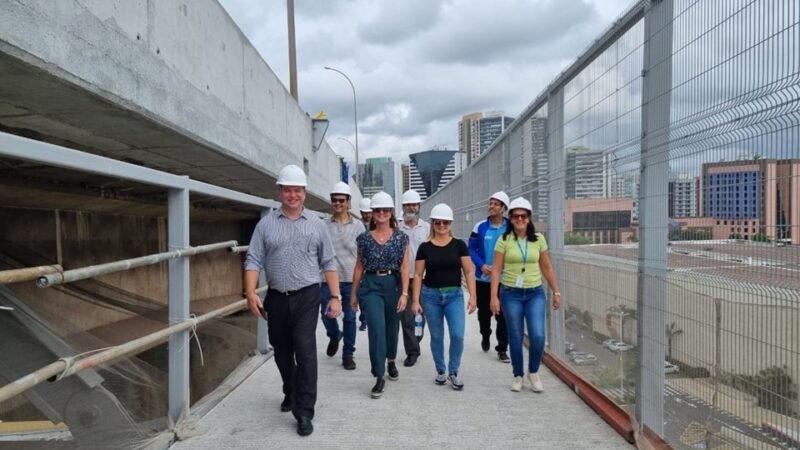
432,169
624,186
587,173
380,174
535,169
476,132
468,139
491,127
755,197
404,175
684,196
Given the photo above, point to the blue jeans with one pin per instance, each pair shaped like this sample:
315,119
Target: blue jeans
526,304
348,322
439,305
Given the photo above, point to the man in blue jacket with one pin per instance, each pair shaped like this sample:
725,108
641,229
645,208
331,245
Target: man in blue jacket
481,248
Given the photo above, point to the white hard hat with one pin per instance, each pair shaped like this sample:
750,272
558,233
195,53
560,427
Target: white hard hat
411,196
521,203
382,200
442,212
364,205
502,196
292,175
341,188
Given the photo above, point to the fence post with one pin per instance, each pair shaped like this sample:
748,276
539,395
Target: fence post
179,350
651,286
555,220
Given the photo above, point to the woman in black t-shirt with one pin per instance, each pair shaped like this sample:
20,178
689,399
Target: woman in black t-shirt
442,259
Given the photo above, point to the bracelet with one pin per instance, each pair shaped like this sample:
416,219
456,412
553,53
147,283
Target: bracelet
557,294
404,294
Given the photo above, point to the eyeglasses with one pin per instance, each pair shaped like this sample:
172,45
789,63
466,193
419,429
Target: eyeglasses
441,222
381,210
338,200
519,216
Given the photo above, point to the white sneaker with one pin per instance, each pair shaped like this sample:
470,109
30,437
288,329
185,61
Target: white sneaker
516,385
536,383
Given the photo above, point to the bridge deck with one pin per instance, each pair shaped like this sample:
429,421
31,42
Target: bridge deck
413,413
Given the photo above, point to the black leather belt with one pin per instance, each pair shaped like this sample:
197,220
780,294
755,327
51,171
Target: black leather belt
289,293
381,273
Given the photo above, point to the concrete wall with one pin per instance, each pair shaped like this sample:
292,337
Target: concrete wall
185,65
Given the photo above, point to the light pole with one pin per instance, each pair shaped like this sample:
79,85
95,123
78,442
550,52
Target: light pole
355,120
356,153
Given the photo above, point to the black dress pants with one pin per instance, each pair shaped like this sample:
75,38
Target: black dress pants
292,325
483,291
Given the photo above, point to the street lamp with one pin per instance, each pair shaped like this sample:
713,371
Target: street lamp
355,120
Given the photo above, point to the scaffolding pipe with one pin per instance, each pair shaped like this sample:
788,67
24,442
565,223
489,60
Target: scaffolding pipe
61,369
238,249
83,273
27,273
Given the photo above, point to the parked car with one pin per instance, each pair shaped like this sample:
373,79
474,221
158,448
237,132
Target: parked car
620,347
585,360
609,342
578,354
671,368
569,346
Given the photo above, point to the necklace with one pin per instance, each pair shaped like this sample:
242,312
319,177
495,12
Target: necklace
381,239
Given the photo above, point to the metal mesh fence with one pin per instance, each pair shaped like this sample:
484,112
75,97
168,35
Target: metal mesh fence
664,169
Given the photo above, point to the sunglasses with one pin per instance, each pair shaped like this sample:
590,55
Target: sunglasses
519,216
381,210
441,222
338,200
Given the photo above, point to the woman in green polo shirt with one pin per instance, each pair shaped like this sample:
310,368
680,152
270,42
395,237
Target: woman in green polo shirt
521,260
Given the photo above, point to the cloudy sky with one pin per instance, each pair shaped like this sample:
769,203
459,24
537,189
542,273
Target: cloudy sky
419,65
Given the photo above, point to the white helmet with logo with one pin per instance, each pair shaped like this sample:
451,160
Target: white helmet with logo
411,196
442,212
292,175
341,188
382,200
365,205
501,196
520,203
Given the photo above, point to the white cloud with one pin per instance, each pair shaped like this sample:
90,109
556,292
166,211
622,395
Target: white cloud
419,65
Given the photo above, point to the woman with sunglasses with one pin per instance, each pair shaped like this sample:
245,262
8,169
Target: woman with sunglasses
441,260
380,280
521,260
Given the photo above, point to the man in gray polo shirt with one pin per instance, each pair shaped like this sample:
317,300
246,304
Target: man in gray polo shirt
291,246
343,230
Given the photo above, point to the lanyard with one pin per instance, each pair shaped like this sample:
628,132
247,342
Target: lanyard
524,254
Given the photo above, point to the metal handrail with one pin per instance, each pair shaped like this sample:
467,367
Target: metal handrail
63,369
83,273
238,249
27,273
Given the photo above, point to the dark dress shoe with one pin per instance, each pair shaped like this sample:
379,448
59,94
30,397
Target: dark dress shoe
348,363
410,360
333,347
485,344
286,404
391,369
304,426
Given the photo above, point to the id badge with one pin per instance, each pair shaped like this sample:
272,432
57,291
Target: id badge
520,282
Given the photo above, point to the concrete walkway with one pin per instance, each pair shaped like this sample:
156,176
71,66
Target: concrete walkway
413,413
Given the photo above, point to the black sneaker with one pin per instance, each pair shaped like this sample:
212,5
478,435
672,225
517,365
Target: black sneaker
503,357
333,347
348,363
363,326
391,368
485,344
410,360
377,390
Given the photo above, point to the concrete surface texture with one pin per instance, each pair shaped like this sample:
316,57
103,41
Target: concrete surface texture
413,413
172,85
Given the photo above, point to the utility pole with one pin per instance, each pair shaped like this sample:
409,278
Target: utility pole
292,55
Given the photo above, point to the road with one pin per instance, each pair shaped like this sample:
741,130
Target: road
685,416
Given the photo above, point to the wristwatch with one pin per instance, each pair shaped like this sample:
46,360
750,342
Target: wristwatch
557,293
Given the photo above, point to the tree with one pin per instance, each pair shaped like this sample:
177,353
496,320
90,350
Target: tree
576,239
734,236
761,237
672,331
624,313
